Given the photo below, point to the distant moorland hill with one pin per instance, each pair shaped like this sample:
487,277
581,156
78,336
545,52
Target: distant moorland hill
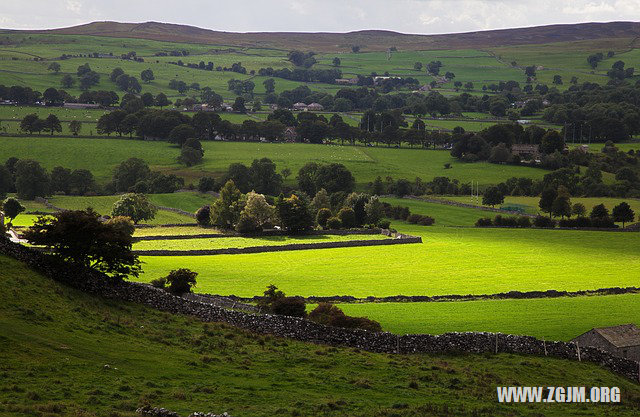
368,40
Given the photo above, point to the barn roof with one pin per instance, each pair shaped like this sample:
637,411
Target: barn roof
624,335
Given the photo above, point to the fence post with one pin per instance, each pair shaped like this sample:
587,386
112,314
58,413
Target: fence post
578,349
544,344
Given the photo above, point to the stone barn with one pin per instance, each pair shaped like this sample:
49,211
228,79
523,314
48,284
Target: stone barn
622,340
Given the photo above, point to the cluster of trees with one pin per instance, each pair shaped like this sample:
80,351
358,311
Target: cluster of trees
253,212
302,59
134,175
129,83
32,123
87,78
304,74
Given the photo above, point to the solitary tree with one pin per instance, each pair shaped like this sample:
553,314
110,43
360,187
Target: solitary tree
578,210
180,281
135,206
80,238
11,207
547,198
52,124
55,67
74,127
225,211
336,62
147,76
623,213
492,196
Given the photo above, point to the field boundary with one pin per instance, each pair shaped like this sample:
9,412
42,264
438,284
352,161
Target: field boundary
511,295
398,240
310,332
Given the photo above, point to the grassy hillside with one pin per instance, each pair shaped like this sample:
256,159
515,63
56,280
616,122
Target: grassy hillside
66,353
101,156
449,261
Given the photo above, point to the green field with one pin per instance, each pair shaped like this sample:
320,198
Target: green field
444,215
244,242
449,261
530,204
549,318
114,357
101,156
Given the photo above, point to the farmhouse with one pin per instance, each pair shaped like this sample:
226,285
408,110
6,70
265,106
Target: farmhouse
290,134
81,105
622,340
526,151
346,81
315,107
300,107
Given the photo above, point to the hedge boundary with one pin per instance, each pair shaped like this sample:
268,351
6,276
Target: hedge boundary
307,331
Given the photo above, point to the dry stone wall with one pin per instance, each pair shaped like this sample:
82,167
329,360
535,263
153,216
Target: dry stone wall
308,331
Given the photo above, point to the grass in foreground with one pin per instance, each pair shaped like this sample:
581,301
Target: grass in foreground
449,261
66,353
552,318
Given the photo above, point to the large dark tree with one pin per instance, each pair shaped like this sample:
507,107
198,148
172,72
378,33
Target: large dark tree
129,172
623,213
31,180
80,238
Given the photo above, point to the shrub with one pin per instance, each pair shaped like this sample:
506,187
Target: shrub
426,221
247,224
331,315
324,214
203,216
542,221
524,221
347,217
413,218
289,306
180,281
159,282
603,222
484,222
334,223
384,224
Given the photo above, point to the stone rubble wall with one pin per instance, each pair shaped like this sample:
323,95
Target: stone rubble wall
307,331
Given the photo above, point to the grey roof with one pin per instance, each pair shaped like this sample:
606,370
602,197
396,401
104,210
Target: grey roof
624,335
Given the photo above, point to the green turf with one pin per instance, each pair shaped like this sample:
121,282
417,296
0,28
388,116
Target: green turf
64,352
245,242
444,215
449,261
549,318
101,156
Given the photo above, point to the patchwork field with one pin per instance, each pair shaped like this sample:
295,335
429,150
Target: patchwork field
450,261
549,318
101,156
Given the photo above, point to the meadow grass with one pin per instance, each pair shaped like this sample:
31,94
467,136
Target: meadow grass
245,242
65,352
101,156
450,260
550,318
530,204
444,215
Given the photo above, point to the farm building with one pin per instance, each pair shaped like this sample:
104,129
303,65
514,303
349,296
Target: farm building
290,134
315,107
300,107
346,81
526,151
622,340
81,105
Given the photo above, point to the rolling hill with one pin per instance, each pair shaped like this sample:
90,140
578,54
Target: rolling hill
369,40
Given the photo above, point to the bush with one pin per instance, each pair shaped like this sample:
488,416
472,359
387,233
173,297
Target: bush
426,221
159,282
542,221
484,222
413,218
324,214
347,217
384,224
203,216
247,224
180,281
289,306
395,212
334,223
524,221
331,315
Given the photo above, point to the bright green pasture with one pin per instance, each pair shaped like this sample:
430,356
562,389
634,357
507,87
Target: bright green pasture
530,204
173,231
64,114
244,242
187,201
109,355
550,318
101,156
445,215
449,261
104,205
